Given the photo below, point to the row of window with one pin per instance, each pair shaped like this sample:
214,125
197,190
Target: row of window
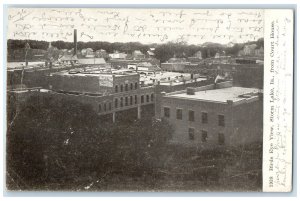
125,101
126,87
204,136
191,116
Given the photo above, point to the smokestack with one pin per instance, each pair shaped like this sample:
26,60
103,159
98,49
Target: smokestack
75,41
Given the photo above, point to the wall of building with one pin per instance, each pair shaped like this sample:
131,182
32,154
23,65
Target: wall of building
75,83
181,127
178,67
248,124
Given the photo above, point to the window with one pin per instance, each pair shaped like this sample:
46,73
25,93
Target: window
179,113
191,133
121,88
121,101
136,85
221,120
147,98
204,117
104,107
126,87
116,103
221,139
166,112
116,88
131,100
131,86
109,106
191,115
99,108
152,97
142,98
126,101
204,136
135,99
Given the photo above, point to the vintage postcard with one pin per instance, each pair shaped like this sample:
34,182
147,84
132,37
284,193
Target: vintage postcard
149,99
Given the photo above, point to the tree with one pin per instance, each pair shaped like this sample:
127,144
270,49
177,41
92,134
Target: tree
63,142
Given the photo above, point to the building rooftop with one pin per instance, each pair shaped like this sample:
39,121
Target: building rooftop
220,95
91,61
165,78
93,74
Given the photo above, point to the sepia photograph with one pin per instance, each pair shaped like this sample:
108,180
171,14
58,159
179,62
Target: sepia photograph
135,99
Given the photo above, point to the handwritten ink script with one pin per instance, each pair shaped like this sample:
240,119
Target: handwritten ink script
278,101
142,25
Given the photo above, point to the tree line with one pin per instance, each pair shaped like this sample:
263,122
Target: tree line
163,52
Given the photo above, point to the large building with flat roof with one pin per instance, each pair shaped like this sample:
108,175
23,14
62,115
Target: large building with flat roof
106,92
214,115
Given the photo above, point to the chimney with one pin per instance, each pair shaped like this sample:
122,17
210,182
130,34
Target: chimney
75,41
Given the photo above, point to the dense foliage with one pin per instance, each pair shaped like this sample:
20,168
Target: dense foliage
63,142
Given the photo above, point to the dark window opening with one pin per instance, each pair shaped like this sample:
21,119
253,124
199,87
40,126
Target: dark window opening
204,118
116,103
99,108
121,102
126,87
136,85
121,88
104,107
135,99
204,136
131,100
221,120
191,115
179,113
109,106
147,98
152,97
142,99
126,101
166,112
131,86
191,133
116,88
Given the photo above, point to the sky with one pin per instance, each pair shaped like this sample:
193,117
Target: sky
191,26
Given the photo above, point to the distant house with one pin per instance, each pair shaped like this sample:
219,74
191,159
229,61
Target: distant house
101,53
230,44
150,54
198,54
88,52
68,59
137,55
197,57
248,50
117,55
220,55
259,51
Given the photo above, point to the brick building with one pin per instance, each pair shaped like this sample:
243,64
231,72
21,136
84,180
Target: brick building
107,93
214,115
